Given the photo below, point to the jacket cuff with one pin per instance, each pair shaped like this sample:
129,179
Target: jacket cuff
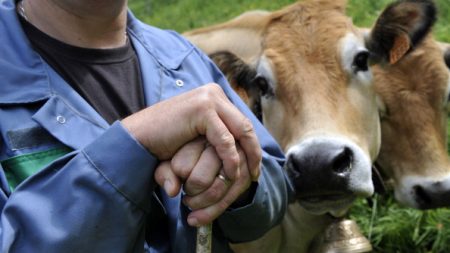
266,210
124,163
245,223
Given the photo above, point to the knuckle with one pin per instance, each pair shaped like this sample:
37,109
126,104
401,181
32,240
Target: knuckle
214,88
233,161
214,194
180,169
205,97
228,146
227,140
209,94
204,102
192,203
197,184
247,127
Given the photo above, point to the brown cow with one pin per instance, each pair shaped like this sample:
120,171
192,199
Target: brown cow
415,98
423,73
316,98
319,103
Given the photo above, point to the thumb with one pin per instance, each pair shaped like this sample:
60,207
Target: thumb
165,178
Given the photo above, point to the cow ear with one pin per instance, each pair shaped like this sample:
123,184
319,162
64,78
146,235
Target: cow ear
401,26
244,79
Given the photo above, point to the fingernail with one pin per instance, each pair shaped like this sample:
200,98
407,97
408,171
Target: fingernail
193,221
168,187
256,178
256,174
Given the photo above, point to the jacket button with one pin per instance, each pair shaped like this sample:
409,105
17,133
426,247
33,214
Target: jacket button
61,119
179,83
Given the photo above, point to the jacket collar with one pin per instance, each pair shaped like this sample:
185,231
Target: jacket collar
24,76
167,47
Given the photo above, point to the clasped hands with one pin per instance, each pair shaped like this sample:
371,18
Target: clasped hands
206,145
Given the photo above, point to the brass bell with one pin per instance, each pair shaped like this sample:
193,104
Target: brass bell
342,236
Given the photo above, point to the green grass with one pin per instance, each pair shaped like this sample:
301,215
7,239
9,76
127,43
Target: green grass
183,15
390,227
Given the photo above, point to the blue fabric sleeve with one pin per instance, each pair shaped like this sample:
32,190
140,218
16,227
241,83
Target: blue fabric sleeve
84,202
274,189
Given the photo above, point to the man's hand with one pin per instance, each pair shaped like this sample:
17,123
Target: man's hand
198,169
206,111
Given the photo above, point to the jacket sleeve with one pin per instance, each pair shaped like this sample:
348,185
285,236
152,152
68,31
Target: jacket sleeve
84,201
273,191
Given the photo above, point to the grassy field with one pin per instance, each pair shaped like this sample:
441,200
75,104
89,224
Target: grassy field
390,227
183,15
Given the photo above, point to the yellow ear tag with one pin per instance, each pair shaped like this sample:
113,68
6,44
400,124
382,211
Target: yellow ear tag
401,46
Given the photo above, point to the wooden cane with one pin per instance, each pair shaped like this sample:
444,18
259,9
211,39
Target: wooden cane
204,239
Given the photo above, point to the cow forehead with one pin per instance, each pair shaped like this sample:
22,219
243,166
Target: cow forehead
310,28
427,80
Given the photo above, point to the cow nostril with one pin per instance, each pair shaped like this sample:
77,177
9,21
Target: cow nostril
422,196
343,161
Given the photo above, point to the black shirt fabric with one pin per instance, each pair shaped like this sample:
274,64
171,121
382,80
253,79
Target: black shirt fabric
108,79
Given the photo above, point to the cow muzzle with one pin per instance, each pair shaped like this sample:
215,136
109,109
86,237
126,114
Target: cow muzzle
329,173
423,193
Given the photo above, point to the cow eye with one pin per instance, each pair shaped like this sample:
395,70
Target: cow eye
361,62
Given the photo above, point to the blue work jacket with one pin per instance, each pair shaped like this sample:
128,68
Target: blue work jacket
99,196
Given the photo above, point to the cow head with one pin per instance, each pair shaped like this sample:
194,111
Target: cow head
312,84
415,98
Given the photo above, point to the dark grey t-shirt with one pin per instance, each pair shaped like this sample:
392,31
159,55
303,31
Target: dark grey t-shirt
109,79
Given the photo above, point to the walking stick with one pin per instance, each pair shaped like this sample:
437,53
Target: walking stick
204,238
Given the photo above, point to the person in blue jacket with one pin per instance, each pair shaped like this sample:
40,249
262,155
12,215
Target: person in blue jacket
120,137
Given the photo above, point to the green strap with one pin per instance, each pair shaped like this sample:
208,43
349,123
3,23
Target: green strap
19,168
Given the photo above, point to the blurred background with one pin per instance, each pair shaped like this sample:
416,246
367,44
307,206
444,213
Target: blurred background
183,15
390,227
